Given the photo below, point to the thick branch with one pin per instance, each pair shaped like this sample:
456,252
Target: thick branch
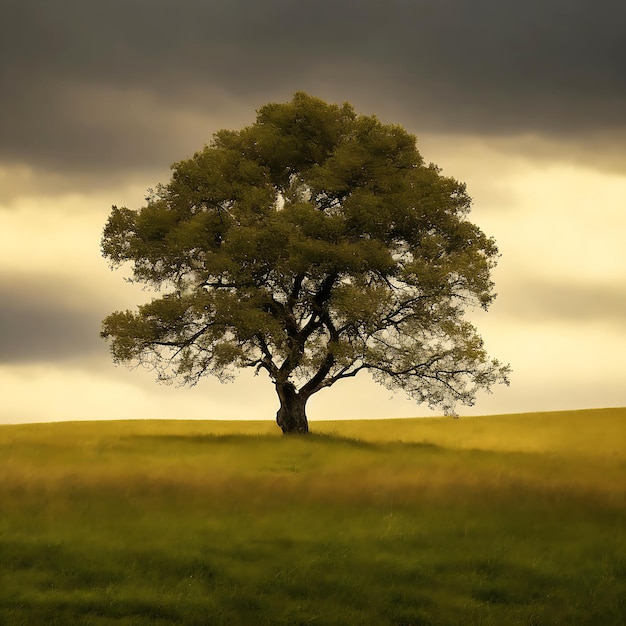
345,372
267,361
318,379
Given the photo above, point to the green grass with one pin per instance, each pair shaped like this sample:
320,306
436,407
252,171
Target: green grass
515,519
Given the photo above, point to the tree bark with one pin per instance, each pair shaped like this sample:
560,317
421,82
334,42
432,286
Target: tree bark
291,417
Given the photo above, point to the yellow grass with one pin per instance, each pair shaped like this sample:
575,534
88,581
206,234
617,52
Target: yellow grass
597,433
494,520
573,451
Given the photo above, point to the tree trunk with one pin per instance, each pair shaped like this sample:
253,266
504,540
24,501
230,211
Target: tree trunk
291,417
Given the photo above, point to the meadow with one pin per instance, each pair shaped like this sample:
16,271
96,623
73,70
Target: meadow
495,520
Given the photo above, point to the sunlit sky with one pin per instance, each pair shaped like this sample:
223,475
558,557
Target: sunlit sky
523,101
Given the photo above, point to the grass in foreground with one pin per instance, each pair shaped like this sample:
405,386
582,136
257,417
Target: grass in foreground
511,520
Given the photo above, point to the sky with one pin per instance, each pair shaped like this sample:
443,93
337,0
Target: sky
523,101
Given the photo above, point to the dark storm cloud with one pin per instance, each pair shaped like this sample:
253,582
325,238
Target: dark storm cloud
42,320
95,86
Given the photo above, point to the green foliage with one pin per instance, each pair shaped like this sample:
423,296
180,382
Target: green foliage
312,245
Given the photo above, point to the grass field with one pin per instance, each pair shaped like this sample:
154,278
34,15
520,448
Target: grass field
517,519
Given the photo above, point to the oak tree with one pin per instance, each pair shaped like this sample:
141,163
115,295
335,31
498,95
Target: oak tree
313,245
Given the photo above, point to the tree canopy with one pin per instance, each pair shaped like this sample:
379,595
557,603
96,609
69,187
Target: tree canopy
312,245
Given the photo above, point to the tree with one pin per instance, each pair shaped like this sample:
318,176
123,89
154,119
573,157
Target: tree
312,245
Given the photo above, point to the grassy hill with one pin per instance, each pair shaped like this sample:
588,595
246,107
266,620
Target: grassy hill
515,519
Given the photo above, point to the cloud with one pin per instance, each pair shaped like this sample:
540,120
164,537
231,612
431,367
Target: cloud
107,131
537,300
46,320
524,101
118,85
